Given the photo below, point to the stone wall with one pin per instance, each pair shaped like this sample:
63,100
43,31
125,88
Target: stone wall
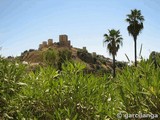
43,45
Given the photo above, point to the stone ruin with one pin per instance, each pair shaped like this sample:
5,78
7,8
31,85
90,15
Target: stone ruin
63,42
50,42
94,54
84,48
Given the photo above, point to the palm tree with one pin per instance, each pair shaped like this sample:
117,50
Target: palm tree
113,41
135,20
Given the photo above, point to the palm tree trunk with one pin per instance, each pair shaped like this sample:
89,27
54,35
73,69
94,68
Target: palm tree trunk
114,66
135,50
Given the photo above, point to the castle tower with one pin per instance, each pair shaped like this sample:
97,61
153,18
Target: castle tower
84,48
44,44
50,42
40,46
63,40
94,54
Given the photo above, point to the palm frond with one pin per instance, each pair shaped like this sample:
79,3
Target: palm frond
113,41
135,20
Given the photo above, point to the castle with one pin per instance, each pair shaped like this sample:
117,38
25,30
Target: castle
63,42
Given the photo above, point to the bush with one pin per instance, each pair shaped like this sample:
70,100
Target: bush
50,57
49,94
70,94
139,88
11,75
64,55
85,56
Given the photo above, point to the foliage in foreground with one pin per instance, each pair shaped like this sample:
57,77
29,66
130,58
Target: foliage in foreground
71,94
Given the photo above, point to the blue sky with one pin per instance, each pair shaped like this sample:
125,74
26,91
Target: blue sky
24,24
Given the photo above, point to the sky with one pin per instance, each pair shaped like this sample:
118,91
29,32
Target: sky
24,24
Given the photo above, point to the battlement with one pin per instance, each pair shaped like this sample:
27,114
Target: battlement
63,42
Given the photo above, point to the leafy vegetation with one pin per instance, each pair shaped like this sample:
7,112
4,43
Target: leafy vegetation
50,57
62,90
64,55
72,94
85,56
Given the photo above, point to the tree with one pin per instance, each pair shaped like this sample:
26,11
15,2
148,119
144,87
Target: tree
113,41
135,20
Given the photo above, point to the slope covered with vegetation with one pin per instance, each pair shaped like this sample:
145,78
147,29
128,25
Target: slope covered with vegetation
50,94
56,56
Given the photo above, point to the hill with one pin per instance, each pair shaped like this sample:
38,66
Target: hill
64,50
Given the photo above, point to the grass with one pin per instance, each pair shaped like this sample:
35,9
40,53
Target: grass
71,94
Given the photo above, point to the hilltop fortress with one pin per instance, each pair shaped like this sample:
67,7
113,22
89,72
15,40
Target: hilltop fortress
92,60
63,42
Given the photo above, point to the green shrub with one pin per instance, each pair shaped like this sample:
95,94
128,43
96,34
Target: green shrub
140,88
50,57
11,75
48,94
64,55
85,56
